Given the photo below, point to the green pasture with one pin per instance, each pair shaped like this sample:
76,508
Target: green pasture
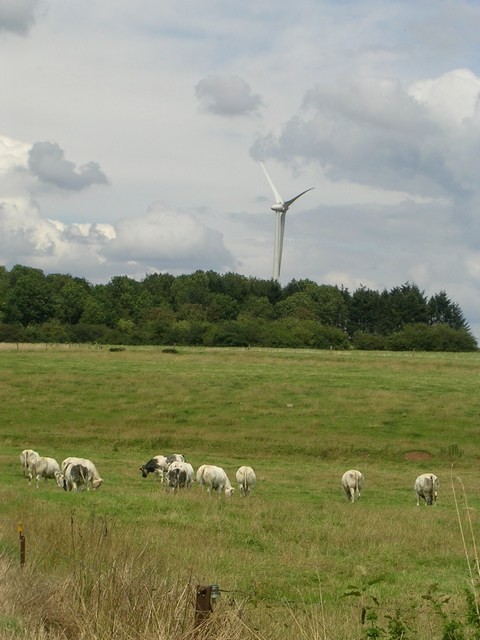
300,418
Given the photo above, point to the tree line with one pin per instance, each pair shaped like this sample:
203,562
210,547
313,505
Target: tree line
211,309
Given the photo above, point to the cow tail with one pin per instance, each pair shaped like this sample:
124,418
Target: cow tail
244,482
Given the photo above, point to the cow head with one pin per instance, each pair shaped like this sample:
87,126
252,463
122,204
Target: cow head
59,478
96,483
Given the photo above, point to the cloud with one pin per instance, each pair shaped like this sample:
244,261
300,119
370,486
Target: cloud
160,240
28,238
18,16
227,96
451,99
47,162
376,132
167,239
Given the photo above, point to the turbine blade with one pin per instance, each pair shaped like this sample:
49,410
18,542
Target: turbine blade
278,197
289,202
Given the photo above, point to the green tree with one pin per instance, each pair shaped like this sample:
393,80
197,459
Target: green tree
406,305
191,289
222,307
258,307
4,286
270,289
236,286
442,310
330,304
298,305
70,295
159,287
30,298
366,310
422,337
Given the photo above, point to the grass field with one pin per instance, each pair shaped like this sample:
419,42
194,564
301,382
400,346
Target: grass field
286,556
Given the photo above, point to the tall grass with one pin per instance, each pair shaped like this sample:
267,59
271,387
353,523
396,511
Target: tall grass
124,561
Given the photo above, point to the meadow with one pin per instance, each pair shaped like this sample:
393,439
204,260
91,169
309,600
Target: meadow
283,558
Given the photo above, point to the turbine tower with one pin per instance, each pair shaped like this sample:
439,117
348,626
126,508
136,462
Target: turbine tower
280,209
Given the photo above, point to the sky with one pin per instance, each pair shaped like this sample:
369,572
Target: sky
131,135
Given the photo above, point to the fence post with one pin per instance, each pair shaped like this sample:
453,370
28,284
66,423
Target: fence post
205,597
22,544
203,604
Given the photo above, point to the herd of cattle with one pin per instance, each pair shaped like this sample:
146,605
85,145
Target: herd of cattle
77,474
175,473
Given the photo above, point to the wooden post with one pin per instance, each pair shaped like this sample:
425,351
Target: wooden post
203,604
22,544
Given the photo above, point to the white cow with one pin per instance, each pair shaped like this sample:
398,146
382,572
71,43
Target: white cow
25,457
94,477
199,476
43,467
76,477
246,479
215,479
426,487
352,483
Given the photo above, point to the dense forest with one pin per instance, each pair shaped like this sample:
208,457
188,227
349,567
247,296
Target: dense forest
206,308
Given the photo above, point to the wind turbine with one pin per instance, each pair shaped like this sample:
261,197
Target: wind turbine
280,209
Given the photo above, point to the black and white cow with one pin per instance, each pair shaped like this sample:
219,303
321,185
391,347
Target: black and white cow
177,476
159,465
76,477
154,465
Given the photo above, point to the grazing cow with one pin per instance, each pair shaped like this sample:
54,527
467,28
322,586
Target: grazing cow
426,487
199,476
76,477
352,483
41,467
159,465
215,479
94,479
246,479
176,477
180,475
26,457
155,466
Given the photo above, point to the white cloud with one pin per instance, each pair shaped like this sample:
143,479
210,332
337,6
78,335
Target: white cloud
451,98
166,239
161,239
375,132
13,154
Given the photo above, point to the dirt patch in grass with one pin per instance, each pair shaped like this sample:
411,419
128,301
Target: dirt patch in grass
416,456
